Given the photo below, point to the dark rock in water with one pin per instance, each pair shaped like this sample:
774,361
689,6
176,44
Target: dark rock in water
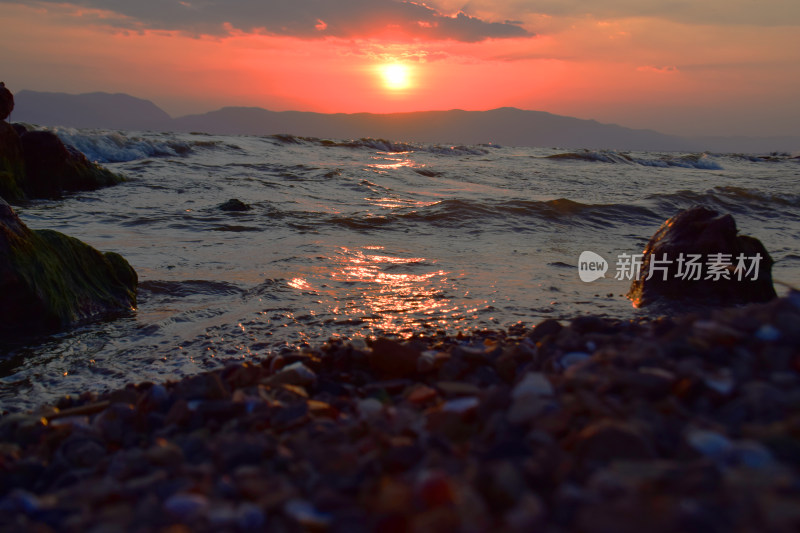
235,204
697,255
51,167
12,165
6,101
36,164
49,280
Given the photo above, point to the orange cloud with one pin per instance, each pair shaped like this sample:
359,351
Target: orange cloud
298,18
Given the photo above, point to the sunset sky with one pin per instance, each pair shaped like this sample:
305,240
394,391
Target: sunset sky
727,67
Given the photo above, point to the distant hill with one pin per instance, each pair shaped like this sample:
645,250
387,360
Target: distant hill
92,110
505,126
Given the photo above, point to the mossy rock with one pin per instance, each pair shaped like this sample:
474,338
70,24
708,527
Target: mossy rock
49,281
52,168
36,164
12,166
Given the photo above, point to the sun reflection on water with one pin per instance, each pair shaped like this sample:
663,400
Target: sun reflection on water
398,203
388,293
299,283
392,162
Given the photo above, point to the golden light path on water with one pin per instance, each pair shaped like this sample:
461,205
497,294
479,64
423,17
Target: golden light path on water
389,300
391,292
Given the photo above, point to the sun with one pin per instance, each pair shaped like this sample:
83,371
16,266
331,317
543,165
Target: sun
396,76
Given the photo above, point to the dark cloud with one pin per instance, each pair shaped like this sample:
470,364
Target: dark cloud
298,18
700,12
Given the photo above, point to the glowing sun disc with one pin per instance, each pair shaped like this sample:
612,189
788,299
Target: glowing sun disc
396,77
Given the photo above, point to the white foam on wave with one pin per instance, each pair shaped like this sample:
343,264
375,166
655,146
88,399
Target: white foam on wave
702,161
117,147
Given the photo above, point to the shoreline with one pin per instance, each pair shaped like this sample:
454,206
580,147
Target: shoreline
594,424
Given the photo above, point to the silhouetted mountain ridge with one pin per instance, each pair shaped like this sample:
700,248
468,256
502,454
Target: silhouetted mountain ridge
90,110
503,126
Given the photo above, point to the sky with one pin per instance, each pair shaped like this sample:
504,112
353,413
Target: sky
701,67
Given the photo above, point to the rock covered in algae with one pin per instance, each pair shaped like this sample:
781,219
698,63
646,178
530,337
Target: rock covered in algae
51,167
49,280
36,164
697,255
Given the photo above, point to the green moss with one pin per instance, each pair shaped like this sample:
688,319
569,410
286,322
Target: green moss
39,165
9,184
61,281
81,174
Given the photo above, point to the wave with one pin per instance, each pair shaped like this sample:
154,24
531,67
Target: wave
384,145
701,161
513,214
594,156
182,289
731,198
117,147
773,157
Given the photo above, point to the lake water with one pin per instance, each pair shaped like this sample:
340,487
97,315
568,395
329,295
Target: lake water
364,238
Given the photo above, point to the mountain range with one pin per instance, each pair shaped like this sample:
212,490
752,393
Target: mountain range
505,126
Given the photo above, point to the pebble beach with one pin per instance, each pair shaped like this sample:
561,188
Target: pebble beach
680,423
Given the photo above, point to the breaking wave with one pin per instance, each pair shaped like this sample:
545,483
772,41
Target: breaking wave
732,199
116,147
701,161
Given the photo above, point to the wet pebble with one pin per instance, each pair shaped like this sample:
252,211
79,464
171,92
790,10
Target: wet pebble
768,333
390,359
607,440
186,506
545,328
571,358
532,385
250,517
294,374
720,381
305,514
20,501
461,405
710,443
751,454
369,407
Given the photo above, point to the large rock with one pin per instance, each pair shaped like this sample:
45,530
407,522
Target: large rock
49,280
12,165
700,231
36,164
51,167
6,102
